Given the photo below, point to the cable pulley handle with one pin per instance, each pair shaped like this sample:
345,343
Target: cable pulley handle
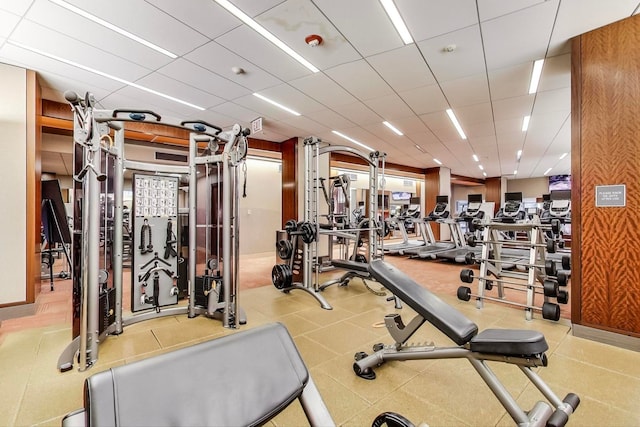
201,123
133,112
244,185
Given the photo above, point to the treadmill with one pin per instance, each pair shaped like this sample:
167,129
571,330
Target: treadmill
513,209
470,215
397,248
439,214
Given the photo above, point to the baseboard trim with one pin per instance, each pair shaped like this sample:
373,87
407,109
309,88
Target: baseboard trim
17,311
606,337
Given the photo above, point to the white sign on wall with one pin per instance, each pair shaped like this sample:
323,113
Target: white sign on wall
256,125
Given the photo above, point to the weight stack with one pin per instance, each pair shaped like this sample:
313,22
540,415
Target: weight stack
204,284
107,309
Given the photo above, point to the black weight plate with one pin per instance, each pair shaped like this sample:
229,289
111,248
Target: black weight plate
290,226
281,276
466,275
464,293
550,268
284,248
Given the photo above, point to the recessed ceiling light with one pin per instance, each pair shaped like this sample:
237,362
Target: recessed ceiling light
515,172
547,171
481,167
484,173
455,122
266,34
535,76
397,21
272,102
103,74
563,155
518,154
525,123
348,138
112,27
476,158
437,161
393,128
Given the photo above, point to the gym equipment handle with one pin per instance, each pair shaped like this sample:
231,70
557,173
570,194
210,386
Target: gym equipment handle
156,115
200,122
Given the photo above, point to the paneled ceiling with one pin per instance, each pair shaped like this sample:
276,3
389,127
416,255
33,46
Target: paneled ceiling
475,57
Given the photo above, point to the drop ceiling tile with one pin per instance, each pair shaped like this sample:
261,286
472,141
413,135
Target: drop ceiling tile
364,23
478,130
200,15
62,84
389,107
475,114
359,79
214,118
553,100
529,31
580,16
403,68
467,90
17,7
291,97
11,54
148,22
254,8
96,37
133,98
324,90
331,119
253,47
466,60
305,124
556,73
203,79
254,104
171,87
516,107
220,60
8,22
428,19
511,125
425,99
293,20
44,39
409,125
511,141
510,81
236,111
490,9
358,113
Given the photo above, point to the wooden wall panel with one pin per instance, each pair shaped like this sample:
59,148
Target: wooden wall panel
33,190
493,192
610,154
289,180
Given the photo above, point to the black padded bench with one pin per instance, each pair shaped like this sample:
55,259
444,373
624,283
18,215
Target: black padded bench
244,379
344,264
523,348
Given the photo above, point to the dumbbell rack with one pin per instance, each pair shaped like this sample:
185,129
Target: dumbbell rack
538,277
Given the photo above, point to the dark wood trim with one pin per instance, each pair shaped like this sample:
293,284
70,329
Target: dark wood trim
493,192
33,190
346,158
465,180
431,191
289,180
576,177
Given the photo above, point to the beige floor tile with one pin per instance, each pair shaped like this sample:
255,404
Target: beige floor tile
298,325
185,331
341,338
312,352
323,317
341,402
413,409
292,416
12,389
623,361
120,347
598,383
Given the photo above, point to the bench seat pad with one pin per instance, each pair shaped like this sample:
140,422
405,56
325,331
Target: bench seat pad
259,370
509,342
360,267
440,314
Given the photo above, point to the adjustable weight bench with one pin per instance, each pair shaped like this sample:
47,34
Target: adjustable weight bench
523,348
244,379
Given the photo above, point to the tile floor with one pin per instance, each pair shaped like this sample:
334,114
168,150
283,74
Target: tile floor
436,392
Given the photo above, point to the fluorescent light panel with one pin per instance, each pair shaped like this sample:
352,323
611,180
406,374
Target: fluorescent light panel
481,167
476,158
484,173
547,171
535,76
515,172
519,154
525,123
112,27
348,138
437,161
397,21
455,122
266,34
103,74
272,102
419,148
393,128
563,155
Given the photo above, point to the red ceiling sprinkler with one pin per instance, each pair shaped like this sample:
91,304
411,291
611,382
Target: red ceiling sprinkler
313,40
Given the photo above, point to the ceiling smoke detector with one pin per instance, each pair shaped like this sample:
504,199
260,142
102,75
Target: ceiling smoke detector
449,48
313,40
237,70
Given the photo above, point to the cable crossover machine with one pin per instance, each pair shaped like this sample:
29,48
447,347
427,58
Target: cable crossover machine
99,165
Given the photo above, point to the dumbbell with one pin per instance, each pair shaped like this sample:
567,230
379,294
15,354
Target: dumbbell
566,262
550,245
549,310
549,287
306,230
